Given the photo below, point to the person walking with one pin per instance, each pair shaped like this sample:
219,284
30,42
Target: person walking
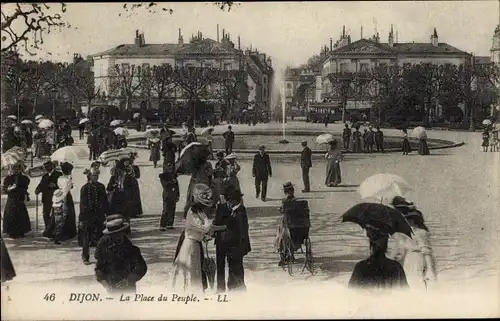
63,207
119,263
170,185
16,221
233,243
305,165
47,186
356,141
333,157
168,149
370,139
81,130
406,143
486,140
228,139
154,145
93,144
379,140
261,171
93,211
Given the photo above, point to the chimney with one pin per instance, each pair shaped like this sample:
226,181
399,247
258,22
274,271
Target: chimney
361,32
391,37
181,40
239,43
223,33
217,32
143,40
434,38
137,39
331,44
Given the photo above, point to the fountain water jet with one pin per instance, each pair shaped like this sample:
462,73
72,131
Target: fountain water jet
283,111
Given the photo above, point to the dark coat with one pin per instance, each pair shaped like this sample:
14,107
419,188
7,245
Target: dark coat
126,202
306,158
119,263
47,186
235,238
262,166
228,136
170,186
93,203
379,136
8,272
378,272
16,221
346,133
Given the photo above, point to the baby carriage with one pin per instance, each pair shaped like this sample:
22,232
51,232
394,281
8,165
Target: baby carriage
293,233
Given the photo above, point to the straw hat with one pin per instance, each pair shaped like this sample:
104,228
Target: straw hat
231,156
202,194
114,224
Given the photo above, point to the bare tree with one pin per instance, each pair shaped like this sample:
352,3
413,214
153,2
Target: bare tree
232,88
25,24
344,87
128,80
163,81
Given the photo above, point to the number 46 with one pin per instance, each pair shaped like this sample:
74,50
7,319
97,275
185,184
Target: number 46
49,297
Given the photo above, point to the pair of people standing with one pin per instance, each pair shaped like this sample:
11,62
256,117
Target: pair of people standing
232,242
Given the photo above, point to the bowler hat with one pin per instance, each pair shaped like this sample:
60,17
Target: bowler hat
262,147
231,156
232,192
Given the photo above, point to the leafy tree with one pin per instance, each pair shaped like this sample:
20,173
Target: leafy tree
344,87
388,93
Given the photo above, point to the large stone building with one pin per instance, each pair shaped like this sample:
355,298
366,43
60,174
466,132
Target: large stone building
495,46
198,52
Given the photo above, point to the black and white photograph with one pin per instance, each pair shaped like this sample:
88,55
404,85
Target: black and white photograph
250,160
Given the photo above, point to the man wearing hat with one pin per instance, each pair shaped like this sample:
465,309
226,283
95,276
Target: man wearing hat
228,140
305,165
93,210
170,196
233,243
261,171
47,186
119,263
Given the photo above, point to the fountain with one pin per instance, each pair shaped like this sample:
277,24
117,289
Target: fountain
283,111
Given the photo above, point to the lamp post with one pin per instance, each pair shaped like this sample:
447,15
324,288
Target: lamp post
54,97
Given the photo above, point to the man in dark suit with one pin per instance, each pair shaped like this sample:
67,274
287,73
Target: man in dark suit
261,171
306,164
47,186
233,243
228,140
168,149
170,197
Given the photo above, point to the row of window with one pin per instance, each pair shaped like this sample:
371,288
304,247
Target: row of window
344,67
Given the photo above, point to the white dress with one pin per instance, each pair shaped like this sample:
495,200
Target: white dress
411,252
186,273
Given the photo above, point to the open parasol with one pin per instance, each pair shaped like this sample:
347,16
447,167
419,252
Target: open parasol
9,159
152,133
487,122
116,122
45,123
12,117
39,117
136,115
121,131
385,218
114,155
207,131
419,132
324,138
83,121
27,122
383,185
190,156
69,154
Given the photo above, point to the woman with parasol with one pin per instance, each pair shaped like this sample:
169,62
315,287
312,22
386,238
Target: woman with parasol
333,158
188,274
16,221
379,222
420,133
406,143
63,207
415,253
232,169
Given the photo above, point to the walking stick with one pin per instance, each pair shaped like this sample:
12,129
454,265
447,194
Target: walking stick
36,214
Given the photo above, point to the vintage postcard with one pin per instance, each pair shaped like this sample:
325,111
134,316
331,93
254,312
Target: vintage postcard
253,160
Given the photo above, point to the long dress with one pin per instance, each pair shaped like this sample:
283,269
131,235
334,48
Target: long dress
187,274
423,149
218,180
16,221
406,145
333,174
8,271
154,147
65,221
411,251
356,142
123,195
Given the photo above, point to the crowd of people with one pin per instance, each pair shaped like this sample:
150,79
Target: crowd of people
214,210
490,139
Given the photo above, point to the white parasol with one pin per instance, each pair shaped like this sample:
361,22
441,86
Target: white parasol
27,122
188,147
9,159
121,131
39,117
69,154
116,122
12,117
114,155
324,138
45,123
419,132
83,121
383,185
136,115
487,122
207,131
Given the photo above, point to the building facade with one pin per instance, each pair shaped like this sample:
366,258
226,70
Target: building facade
198,52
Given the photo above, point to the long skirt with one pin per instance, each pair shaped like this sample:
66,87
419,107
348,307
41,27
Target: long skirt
413,266
136,202
423,149
333,174
357,145
187,274
406,146
154,154
8,272
63,222
16,221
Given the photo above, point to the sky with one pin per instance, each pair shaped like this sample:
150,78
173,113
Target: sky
289,32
